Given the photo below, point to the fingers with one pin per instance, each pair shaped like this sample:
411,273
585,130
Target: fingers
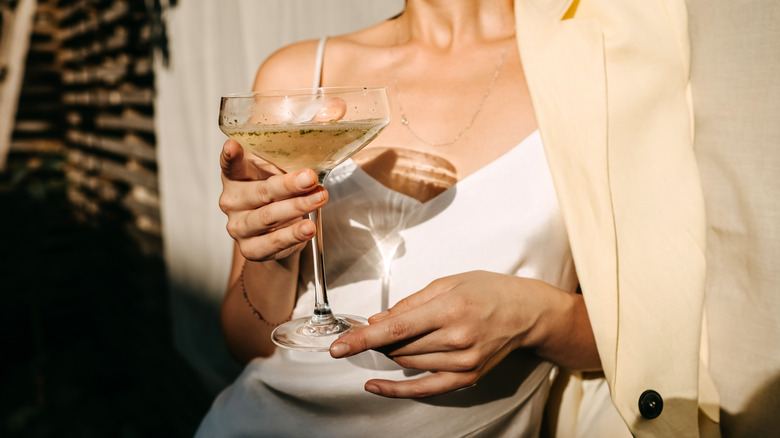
432,384
402,326
238,165
231,160
275,230
264,209
389,333
253,221
413,301
279,243
248,195
256,208
456,361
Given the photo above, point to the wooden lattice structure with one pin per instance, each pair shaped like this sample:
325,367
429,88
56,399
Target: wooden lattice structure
88,94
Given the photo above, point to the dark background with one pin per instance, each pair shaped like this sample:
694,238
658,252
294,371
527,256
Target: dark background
87,347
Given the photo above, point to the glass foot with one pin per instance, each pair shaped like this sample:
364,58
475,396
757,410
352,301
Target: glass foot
302,335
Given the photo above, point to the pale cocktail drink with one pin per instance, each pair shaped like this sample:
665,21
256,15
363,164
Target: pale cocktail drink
319,146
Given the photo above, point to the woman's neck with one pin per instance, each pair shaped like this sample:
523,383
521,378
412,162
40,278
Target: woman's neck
447,24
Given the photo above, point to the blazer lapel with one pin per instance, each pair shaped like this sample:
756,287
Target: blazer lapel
565,69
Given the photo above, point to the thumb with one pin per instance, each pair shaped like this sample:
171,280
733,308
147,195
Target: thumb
231,160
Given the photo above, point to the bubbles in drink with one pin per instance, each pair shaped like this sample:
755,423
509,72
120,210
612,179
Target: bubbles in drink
314,145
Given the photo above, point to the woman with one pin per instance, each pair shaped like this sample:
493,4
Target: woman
485,287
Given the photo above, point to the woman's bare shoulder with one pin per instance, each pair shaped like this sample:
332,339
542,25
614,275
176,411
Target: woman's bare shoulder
292,66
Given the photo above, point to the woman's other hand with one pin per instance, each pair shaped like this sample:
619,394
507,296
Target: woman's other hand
265,207
461,326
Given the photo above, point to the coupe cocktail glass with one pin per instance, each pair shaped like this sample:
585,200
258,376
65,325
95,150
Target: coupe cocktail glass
316,128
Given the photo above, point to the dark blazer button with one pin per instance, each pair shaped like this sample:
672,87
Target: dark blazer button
650,404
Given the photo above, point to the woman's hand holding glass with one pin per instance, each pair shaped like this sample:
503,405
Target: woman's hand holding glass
265,207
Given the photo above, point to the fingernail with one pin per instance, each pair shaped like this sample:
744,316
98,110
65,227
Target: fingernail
315,198
373,389
379,316
304,180
339,350
307,228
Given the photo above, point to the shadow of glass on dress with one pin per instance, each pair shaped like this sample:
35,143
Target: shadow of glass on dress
371,207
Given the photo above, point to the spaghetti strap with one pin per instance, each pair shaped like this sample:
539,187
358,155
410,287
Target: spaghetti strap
318,65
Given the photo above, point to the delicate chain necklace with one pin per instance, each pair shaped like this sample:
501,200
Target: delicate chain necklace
405,119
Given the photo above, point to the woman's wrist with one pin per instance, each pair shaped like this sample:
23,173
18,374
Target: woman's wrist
252,307
269,289
563,334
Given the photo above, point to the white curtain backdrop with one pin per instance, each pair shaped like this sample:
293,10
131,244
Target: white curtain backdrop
215,49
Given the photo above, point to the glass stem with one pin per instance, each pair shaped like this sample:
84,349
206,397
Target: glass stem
322,313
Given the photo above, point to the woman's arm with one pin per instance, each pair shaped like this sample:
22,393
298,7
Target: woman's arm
264,209
265,220
270,290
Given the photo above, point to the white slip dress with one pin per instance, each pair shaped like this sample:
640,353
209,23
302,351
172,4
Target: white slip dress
503,218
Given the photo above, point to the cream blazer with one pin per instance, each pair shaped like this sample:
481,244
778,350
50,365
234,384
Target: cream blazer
609,80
